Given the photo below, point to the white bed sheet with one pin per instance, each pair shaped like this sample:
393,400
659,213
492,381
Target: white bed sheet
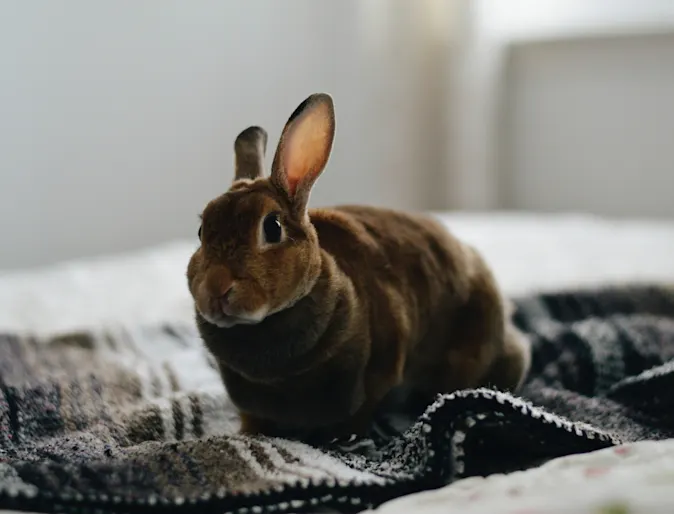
528,253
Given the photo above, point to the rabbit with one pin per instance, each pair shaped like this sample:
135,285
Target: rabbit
314,315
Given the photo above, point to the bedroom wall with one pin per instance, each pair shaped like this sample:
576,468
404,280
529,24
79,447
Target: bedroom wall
118,117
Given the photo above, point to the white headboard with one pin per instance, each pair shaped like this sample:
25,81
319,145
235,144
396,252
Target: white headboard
565,105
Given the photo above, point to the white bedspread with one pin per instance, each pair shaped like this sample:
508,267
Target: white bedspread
527,252
629,479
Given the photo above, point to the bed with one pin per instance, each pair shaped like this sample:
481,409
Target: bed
528,252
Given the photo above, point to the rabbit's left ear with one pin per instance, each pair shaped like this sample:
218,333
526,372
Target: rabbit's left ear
304,148
249,149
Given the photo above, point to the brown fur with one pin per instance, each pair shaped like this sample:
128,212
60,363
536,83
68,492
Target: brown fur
358,299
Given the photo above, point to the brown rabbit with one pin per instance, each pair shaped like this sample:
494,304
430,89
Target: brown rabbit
315,315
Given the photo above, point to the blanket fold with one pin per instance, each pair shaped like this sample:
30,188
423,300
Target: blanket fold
135,419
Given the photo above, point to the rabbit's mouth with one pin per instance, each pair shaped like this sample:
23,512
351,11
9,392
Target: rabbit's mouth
223,320
237,306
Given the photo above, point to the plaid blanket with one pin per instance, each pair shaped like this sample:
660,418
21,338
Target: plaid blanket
135,419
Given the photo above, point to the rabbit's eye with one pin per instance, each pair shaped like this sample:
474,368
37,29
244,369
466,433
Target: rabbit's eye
272,229
199,232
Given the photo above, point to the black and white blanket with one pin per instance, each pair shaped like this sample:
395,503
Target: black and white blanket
95,422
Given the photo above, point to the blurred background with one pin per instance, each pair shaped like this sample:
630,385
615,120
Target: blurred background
117,118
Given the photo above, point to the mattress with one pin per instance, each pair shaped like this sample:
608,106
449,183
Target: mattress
528,253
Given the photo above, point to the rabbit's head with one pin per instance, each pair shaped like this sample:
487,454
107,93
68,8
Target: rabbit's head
259,253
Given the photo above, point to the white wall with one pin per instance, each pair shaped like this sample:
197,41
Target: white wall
117,118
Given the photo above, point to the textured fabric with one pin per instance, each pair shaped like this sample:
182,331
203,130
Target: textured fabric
633,478
137,420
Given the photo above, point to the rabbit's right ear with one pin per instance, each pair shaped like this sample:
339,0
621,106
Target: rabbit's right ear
249,149
304,149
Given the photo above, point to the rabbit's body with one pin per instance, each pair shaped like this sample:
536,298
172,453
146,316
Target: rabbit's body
376,298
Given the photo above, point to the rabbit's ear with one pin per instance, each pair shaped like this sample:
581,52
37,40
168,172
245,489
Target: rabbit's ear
249,149
304,148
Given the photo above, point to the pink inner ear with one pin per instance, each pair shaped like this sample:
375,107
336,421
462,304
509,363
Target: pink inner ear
300,159
306,147
293,182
